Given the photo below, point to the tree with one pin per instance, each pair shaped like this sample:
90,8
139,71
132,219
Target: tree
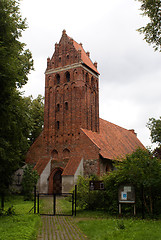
143,171
152,31
139,169
36,113
29,180
15,64
154,126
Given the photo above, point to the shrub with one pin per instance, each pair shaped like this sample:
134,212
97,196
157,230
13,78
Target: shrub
139,169
29,180
87,199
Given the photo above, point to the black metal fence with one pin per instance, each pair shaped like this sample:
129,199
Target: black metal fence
62,204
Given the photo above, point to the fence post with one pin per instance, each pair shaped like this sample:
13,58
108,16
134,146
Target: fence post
75,199
54,196
34,199
2,200
73,203
38,203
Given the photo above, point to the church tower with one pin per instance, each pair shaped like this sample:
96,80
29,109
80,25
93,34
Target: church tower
74,141
71,93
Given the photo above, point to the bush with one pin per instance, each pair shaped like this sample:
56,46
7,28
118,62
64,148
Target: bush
139,169
29,180
87,199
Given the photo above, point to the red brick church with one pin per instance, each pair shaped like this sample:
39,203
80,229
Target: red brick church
75,141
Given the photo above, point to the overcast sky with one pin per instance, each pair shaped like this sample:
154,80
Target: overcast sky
130,70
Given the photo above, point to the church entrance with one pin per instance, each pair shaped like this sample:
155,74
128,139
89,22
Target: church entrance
55,181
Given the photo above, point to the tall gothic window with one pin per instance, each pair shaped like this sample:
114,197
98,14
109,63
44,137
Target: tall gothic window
67,76
92,81
87,78
66,105
57,79
58,107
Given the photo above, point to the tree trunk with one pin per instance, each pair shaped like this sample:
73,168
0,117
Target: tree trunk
2,201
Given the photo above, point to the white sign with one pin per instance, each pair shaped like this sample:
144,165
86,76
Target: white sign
123,195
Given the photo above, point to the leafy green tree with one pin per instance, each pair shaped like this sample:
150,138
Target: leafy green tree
152,31
143,171
15,64
154,126
157,152
36,113
29,180
13,139
139,169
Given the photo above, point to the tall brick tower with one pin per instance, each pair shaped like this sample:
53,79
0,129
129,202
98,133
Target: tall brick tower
71,93
75,141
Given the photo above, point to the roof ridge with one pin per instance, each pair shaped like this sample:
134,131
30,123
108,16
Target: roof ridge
115,124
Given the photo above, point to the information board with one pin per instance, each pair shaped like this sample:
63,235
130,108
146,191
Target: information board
126,194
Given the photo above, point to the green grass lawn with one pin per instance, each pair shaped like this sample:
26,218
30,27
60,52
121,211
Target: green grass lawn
98,225
120,229
22,225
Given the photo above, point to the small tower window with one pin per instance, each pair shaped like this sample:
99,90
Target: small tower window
67,76
87,78
66,105
58,107
57,79
57,124
92,81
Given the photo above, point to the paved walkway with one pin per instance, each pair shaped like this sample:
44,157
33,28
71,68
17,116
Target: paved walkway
59,227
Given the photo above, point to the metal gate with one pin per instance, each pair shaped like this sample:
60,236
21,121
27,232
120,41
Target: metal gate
62,204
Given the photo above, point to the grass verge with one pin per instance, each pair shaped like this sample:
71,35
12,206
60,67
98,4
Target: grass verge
22,225
118,229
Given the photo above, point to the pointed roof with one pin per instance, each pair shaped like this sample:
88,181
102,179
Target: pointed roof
84,56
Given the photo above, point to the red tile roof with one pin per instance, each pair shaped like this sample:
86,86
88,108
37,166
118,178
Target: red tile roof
114,141
72,166
84,57
41,164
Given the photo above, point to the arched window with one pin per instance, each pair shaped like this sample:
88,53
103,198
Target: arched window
58,107
57,79
67,76
66,105
54,154
66,153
